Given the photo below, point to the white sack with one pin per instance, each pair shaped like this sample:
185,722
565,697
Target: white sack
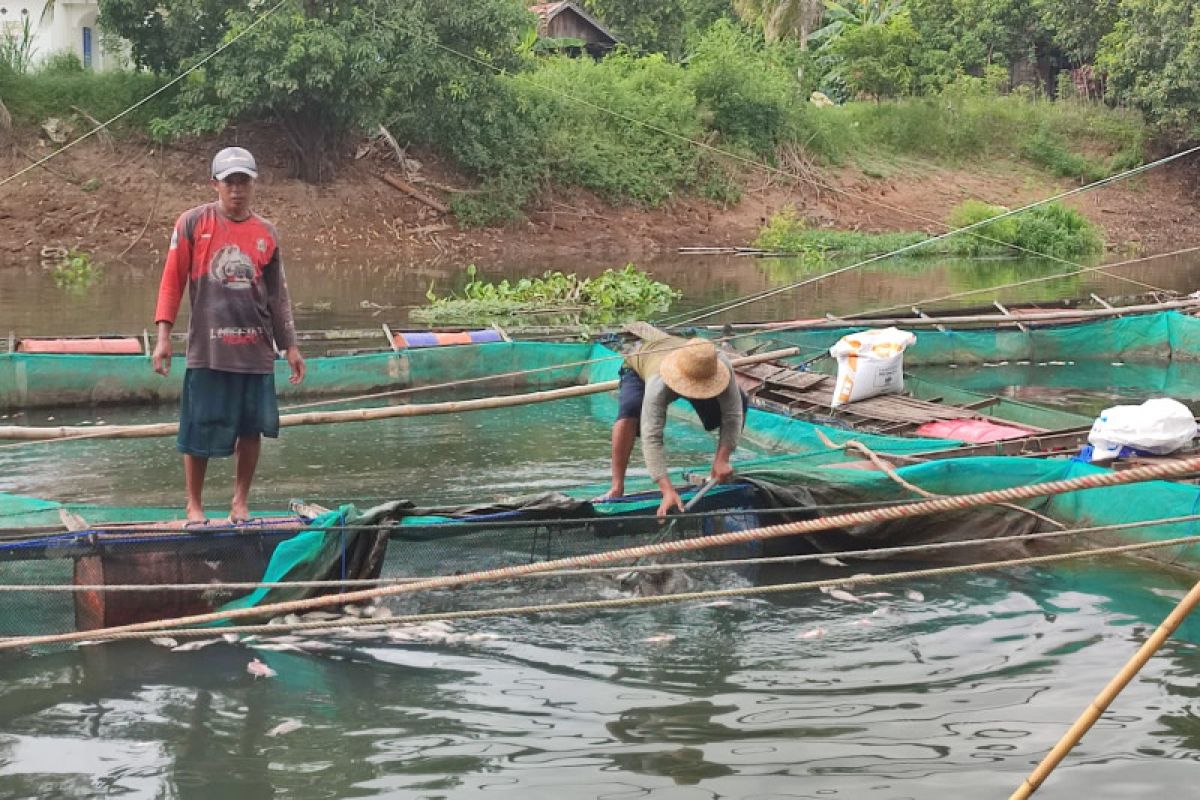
870,363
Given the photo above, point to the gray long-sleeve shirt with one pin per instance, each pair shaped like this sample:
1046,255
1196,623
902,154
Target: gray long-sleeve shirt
654,419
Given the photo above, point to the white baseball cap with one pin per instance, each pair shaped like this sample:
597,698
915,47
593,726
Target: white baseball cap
232,160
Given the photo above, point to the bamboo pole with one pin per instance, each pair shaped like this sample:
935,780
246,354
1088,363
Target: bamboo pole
68,433
967,319
1110,692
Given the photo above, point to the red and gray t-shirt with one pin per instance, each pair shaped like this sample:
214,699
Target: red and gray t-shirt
238,293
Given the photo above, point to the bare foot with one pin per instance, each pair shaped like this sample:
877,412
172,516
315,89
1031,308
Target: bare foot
196,515
239,512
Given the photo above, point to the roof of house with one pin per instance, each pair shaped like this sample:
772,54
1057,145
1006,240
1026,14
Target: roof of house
548,11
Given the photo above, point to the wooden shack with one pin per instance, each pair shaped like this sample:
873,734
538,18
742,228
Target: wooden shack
568,21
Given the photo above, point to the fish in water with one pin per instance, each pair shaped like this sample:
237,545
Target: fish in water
915,596
287,726
260,670
661,638
842,594
195,644
814,633
164,641
652,583
831,562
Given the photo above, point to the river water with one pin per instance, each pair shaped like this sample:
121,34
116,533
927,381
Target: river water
947,688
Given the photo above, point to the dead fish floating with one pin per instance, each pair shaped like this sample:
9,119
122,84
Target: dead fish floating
287,726
260,670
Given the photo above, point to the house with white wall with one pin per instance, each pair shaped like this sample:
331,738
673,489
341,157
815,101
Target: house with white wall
60,26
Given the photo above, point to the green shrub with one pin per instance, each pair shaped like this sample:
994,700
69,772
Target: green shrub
639,153
33,97
999,233
63,62
787,233
747,91
1051,230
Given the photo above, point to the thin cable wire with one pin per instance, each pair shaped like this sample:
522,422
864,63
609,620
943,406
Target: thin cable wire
148,97
795,176
756,297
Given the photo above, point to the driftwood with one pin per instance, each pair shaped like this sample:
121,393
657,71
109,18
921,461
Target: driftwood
415,193
66,433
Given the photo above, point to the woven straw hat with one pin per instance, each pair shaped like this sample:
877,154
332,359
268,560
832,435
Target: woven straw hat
694,371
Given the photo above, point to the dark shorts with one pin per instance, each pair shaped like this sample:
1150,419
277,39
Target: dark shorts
218,407
632,391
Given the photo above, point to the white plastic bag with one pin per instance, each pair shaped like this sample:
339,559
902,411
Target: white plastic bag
870,363
1158,426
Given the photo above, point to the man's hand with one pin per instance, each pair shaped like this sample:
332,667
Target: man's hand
722,470
671,500
161,359
296,362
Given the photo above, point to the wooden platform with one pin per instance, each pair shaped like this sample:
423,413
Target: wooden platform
786,390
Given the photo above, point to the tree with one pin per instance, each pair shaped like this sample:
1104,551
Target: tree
656,27
978,33
782,18
162,39
878,60
321,70
1077,26
1152,60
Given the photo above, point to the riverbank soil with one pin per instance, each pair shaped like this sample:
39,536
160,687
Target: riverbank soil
117,200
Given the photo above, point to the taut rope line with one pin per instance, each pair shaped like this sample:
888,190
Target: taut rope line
1097,480
912,549
332,626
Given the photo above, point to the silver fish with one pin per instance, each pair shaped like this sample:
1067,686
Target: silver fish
260,670
195,644
287,726
842,594
164,641
915,596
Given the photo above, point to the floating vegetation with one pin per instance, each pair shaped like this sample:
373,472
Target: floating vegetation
611,297
75,271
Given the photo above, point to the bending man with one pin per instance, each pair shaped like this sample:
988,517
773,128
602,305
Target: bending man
657,374
227,257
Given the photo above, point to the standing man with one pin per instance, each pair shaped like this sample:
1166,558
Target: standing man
657,374
228,259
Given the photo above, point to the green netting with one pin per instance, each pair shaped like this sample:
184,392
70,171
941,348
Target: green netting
1148,337
1139,502
40,380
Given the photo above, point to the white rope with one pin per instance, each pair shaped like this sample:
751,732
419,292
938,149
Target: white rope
333,626
875,553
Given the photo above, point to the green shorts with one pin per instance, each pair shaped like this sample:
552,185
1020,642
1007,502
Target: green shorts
218,407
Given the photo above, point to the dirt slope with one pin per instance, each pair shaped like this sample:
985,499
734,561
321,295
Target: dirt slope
118,201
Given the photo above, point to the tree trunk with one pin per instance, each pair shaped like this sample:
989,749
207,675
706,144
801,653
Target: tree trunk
313,144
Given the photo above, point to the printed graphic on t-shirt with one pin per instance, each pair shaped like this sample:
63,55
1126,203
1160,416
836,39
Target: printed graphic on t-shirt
238,336
232,268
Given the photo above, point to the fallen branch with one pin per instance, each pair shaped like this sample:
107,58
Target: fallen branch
415,193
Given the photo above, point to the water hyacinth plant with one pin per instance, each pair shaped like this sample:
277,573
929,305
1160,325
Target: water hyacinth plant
611,297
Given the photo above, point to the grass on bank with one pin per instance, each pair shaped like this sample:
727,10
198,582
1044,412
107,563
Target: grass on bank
1051,230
